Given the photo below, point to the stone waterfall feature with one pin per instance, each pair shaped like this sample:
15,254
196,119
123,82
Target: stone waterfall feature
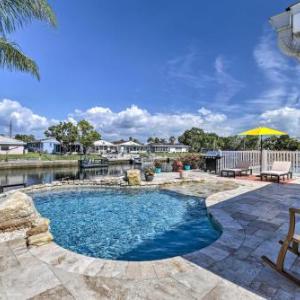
134,177
17,211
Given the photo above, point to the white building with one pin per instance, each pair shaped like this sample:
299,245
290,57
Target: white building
168,148
11,146
104,147
130,147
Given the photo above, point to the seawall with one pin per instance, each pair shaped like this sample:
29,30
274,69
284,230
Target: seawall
23,164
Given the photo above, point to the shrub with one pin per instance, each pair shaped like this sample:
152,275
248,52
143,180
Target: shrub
177,165
193,160
149,172
157,163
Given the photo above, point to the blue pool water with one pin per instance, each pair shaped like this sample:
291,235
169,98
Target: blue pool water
127,224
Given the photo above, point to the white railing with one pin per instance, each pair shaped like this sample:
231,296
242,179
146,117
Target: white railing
230,158
292,156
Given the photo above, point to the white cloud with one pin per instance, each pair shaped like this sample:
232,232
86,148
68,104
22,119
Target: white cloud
281,73
228,85
134,121
138,122
187,70
285,118
22,118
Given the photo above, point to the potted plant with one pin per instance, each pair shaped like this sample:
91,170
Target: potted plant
187,163
149,174
157,165
177,165
181,174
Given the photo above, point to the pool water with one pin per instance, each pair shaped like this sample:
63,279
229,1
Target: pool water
127,224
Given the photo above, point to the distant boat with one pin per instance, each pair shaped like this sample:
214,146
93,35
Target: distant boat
93,163
136,161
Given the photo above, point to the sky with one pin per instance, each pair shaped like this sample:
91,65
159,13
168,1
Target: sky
154,68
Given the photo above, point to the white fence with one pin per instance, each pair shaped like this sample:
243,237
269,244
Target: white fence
230,158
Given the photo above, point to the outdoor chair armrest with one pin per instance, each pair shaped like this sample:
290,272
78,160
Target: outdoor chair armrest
294,210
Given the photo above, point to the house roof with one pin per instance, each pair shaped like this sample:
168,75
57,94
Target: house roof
292,6
130,143
5,140
168,145
104,143
51,140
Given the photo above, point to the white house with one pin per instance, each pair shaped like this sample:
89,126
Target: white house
130,147
11,146
104,147
169,148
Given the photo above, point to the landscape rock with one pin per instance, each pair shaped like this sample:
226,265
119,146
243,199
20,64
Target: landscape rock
134,177
16,206
17,211
40,239
15,224
40,227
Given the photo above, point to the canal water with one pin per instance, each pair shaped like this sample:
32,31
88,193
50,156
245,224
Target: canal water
47,175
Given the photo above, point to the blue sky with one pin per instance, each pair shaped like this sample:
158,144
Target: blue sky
141,68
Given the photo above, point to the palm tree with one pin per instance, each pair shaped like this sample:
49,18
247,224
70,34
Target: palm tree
15,14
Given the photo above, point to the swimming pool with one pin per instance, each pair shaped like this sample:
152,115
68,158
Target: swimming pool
127,224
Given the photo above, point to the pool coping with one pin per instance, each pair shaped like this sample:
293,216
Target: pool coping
232,237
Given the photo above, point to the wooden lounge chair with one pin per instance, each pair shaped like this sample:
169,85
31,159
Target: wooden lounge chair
291,243
242,168
279,169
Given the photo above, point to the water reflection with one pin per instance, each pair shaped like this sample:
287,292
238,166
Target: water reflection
37,176
47,175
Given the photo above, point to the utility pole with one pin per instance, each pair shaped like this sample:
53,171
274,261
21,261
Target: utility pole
10,128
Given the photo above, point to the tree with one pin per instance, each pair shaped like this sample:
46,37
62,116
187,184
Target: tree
87,135
172,139
150,139
25,138
156,140
15,14
195,138
132,139
65,132
281,143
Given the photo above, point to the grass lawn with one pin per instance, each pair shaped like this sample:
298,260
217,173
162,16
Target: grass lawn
45,157
171,155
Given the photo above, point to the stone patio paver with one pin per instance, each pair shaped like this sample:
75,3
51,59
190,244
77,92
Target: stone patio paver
254,216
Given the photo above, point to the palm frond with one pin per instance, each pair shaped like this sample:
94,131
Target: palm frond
13,58
16,13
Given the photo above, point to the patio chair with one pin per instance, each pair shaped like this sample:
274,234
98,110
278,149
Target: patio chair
279,169
291,243
241,168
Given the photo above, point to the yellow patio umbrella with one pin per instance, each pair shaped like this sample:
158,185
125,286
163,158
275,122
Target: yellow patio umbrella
262,131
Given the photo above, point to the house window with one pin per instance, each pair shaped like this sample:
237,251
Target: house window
4,148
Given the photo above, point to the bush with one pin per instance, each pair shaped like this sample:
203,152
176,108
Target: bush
149,172
157,163
193,160
177,165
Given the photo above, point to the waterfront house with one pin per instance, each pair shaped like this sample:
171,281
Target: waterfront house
104,147
11,146
50,146
167,147
129,147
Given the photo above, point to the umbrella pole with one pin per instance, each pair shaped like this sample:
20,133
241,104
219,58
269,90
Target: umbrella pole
261,152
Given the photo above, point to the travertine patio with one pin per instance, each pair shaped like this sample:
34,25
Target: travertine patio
254,217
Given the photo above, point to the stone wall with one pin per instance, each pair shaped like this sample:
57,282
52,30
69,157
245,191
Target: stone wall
134,177
23,164
17,211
